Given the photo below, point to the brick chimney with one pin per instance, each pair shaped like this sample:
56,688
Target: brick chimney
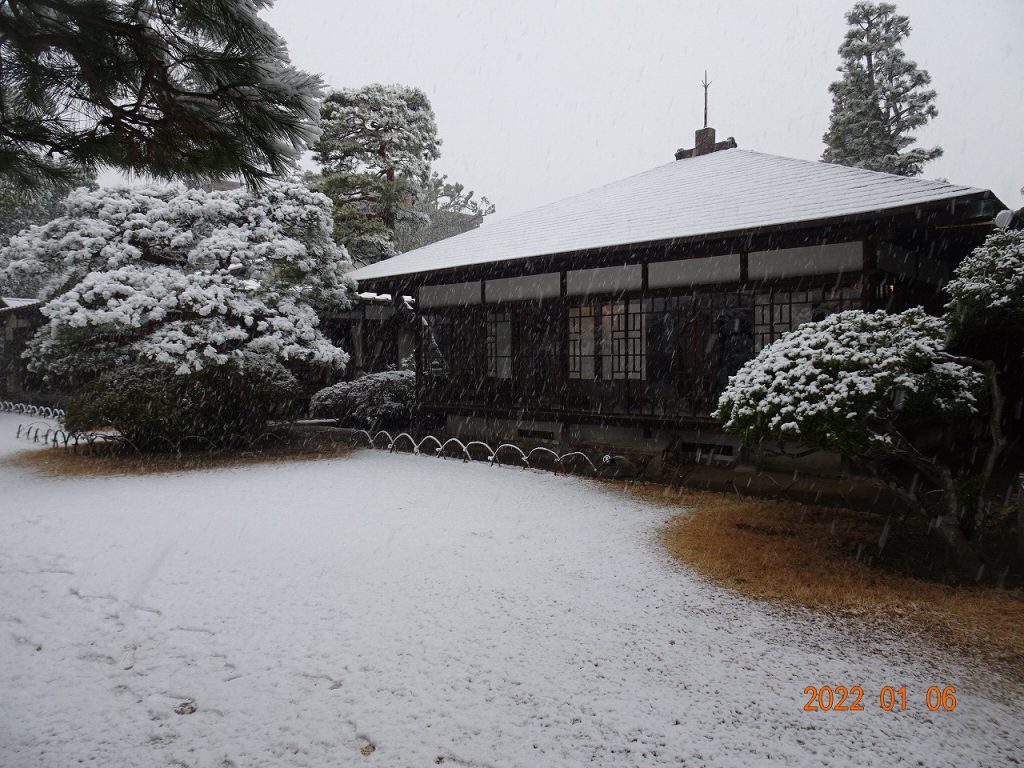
703,141
704,144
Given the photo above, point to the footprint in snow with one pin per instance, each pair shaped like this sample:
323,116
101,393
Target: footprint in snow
22,640
127,658
75,592
186,707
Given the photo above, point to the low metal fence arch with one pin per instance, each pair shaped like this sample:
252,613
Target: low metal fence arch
609,465
50,434
28,409
605,465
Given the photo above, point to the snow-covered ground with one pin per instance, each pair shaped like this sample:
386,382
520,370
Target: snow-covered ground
396,610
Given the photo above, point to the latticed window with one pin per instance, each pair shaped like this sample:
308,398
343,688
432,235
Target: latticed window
778,312
499,345
581,342
623,340
608,341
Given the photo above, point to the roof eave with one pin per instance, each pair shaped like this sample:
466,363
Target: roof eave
416,277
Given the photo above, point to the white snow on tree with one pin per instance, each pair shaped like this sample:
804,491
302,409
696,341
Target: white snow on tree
988,289
375,142
441,209
376,151
183,277
382,400
882,97
846,383
878,388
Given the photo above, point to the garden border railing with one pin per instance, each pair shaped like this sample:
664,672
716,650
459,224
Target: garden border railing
43,411
607,463
55,436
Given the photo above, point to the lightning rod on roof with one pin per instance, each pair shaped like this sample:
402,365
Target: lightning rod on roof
705,84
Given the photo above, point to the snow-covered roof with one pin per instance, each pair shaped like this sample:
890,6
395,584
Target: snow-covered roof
10,301
732,190
383,298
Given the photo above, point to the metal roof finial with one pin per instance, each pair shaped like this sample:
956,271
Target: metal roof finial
705,84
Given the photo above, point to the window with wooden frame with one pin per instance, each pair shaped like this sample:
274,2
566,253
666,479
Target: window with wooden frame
581,342
450,344
499,345
778,312
607,340
624,348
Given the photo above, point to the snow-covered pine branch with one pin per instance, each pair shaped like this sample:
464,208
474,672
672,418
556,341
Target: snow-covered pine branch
183,277
880,388
195,89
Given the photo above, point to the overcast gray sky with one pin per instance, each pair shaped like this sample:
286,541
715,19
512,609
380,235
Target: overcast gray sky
539,100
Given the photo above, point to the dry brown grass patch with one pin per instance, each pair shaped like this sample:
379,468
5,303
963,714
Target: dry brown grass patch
808,556
110,460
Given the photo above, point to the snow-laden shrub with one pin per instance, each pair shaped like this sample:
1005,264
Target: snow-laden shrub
987,291
375,401
183,277
157,409
846,383
281,233
180,309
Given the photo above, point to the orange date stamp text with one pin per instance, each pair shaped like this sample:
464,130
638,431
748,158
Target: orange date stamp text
842,698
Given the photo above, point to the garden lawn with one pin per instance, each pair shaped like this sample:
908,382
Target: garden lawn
395,610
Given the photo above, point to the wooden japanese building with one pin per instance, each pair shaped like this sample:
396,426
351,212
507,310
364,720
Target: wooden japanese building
20,318
616,316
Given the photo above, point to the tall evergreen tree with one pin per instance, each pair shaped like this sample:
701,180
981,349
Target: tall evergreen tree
195,89
882,97
376,142
375,152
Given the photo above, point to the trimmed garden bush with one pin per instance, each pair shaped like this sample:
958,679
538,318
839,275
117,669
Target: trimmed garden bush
157,409
375,401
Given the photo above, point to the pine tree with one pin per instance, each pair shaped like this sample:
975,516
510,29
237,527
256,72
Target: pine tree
197,89
375,142
441,209
376,149
182,278
882,97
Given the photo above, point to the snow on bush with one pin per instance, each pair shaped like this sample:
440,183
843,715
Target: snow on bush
846,382
183,277
376,400
988,287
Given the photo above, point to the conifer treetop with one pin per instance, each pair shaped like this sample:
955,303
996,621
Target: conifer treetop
881,98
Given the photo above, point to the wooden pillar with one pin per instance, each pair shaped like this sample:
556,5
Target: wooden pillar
420,362
359,341
563,363
869,277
